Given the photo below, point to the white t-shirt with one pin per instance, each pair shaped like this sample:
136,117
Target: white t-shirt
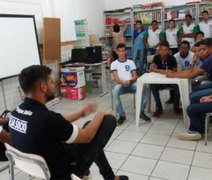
206,28
171,37
153,37
184,62
186,30
123,68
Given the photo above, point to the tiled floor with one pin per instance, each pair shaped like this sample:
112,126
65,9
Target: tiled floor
151,151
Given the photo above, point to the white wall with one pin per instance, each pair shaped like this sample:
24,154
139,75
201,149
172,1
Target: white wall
118,4
70,10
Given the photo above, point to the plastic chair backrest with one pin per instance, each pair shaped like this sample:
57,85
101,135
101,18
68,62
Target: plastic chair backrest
74,177
32,164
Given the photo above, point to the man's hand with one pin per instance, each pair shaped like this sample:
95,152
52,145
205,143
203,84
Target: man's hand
170,74
126,83
205,99
89,108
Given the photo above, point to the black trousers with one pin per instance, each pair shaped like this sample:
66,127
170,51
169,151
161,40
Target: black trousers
86,154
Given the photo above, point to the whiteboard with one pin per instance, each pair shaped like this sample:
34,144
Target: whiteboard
18,44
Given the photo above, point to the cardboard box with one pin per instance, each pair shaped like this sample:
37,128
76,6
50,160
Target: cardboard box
74,93
72,77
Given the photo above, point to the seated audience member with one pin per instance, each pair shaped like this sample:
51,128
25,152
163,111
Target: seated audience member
4,137
206,67
184,56
66,148
196,113
199,36
124,74
162,63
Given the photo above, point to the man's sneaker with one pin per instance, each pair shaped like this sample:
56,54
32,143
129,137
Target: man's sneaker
122,177
121,120
145,117
158,112
190,136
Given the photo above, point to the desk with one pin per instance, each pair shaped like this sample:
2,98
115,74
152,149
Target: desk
156,78
100,65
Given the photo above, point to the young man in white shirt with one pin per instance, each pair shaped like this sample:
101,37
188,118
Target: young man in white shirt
184,57
124,74
188,30
153,37
206,24
172,36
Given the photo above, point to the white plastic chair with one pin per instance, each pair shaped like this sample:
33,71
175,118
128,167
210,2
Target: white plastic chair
207,124
74,177
31,164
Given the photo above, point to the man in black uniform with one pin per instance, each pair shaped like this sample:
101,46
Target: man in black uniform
162,63
66,148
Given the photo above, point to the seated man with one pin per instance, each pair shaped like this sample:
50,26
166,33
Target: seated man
184,56
124,74
162,63
206,67
66,148
196,113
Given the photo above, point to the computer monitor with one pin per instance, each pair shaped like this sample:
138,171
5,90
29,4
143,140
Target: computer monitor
78,55
94,54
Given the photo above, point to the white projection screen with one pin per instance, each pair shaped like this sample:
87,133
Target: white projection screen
18,44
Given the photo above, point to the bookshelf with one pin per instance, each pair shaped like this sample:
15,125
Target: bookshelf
149,12
121,17
178,13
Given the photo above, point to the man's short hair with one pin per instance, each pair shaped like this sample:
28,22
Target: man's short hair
207,42
205,11
31,75
185,42
138,22
154,21
121,45
165,44
200,32
171,20
197,44
188,15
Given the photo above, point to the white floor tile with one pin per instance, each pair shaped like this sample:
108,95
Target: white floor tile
133,176
175,142
116,133
162,130
198,173
155,139
131,136
171,171
148,151
115,159
177,155
123,147
204,148
144,127
202,160
139,165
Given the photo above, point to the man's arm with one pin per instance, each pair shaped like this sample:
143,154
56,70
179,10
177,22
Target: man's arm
86,110
116,78
190,74
5,137
205,99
